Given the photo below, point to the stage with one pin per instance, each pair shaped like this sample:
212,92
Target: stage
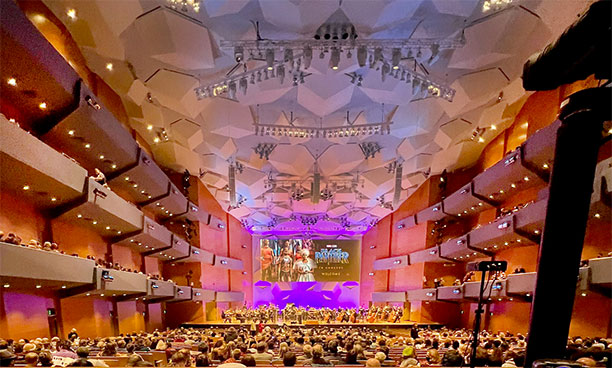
379,326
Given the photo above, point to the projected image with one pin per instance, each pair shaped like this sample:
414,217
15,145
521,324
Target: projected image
301,260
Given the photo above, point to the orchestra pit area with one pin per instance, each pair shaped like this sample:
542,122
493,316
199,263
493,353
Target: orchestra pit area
279,183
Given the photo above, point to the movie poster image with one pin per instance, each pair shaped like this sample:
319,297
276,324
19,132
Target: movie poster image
302,260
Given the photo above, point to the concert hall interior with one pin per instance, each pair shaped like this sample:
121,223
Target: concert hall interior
305,182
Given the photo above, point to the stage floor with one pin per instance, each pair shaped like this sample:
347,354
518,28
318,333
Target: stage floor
381,325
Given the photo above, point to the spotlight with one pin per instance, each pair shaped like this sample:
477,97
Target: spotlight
12,82
109,66
416,86
71,13
307,57
280,73
395,58
288,55
334,60
243,85
435,54
384,71
149,127
362,56
42,105
238,54
270,58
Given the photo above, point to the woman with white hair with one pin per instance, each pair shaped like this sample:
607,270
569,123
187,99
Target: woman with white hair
304,268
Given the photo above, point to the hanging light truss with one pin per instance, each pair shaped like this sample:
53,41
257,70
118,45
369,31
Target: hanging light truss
330,184
323,132
296,57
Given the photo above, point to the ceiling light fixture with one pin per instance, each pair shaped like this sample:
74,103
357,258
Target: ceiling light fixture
494,5
71,13
185,5
109,67
320,132
301,55
42,105
12,82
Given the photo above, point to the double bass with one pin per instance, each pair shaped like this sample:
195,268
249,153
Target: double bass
373,315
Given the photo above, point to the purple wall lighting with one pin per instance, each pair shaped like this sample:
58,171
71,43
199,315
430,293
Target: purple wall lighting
307,294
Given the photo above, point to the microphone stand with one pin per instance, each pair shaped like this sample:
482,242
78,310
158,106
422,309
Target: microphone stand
477,319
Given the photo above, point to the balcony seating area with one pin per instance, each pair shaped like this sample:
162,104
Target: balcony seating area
596,277
526,167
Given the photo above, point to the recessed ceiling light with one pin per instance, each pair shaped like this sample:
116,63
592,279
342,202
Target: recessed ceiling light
109,66
108,228
38,286
88,294
87,145
597,215
79,215
156,139
135,185
118,232
94,222
63,286
493,127
149,127
114,166
526,178
39,18
42,105
481,140
11,82
53,199
101,294
7,285
101,157
26,187
71,132
127,178
545,166
71,13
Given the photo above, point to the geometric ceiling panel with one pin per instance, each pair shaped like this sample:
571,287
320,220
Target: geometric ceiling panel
214,180
293,160
474,89
221,146
176,39
174,90
227,118
418,117
378,181
306,206
217,8
340,159
301,16
449,130
324,94
251,183
413,145
372,15
463,8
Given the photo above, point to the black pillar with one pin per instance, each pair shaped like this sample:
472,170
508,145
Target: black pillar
571,185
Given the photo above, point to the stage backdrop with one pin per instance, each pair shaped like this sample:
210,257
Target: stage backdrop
306,272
